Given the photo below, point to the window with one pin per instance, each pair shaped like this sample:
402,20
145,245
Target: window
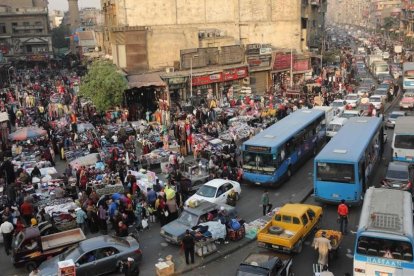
2,28
287,219
87,257
296,220
311,214
38,31
25,23
304,219
228,187
38,23
105,252
335,172
404,141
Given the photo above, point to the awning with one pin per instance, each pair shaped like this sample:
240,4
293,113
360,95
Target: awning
145,80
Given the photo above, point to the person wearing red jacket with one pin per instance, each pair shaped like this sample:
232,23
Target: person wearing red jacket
26,209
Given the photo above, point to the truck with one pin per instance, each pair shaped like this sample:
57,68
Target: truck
29,248
372,58
289,227
380,68
330,113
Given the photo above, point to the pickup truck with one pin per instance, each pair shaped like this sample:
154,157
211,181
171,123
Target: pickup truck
289,227
30,248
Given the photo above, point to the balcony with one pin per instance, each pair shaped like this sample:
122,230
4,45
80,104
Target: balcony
315,2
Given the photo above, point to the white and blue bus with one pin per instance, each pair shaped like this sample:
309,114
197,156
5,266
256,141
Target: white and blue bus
273,154
384,240
403,139
344,166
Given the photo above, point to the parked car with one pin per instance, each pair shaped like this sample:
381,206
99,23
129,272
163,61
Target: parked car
390,122
266,263
216,191
174,231
399,176
96,256
352,99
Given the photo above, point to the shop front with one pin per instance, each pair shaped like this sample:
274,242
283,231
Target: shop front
148,98
208,84
259,59
235,79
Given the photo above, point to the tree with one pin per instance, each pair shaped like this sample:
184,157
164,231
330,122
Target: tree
103,85
59,35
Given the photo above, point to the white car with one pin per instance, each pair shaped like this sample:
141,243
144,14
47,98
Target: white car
215,191
338,105
377,101
352,99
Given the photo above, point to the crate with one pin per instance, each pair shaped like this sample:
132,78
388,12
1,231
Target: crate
236,235
165,268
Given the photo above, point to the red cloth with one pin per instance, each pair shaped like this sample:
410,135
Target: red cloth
26,208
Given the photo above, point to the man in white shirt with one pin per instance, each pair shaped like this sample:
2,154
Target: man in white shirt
6,228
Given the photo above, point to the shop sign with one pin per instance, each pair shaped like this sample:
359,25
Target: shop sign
265,51
207,79
179,80
255,49
235,74
36,57
282,61
259,61
301,65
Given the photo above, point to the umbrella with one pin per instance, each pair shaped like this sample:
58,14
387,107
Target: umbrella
86,160
27,133
82,127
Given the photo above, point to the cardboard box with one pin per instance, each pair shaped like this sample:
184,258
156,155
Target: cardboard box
66,268
165,268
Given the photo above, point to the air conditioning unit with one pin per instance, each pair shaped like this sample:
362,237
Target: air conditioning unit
169,69
246,81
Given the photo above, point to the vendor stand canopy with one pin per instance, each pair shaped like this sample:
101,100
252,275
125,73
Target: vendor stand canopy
27,133
86,160
145,80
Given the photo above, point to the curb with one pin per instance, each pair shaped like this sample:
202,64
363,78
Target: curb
223,253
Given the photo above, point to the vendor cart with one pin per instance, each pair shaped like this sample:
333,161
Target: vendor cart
335,237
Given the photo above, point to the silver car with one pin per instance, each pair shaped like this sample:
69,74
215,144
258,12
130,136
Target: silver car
96,256
390,122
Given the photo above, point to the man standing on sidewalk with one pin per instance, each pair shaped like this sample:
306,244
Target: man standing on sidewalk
343,217
265,203
188,245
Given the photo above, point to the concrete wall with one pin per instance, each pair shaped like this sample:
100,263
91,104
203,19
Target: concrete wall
175,24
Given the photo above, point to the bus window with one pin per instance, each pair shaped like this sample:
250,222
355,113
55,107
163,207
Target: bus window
335,172
385,248
404,141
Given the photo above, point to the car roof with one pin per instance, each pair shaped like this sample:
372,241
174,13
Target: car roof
265,259
353,94
338,120
101,241
205,206
217,182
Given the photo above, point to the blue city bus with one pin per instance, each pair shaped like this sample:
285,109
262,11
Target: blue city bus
273,154
345,165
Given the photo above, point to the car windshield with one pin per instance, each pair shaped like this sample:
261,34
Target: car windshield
395,116
397,174
352,98
335,172
188,219
72,253
259,162
380,92
19,238
333,127
337,104
349,115
206,191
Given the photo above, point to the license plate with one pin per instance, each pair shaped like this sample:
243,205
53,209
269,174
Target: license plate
378,273
335,195
409,158
275,246
257,183
396,186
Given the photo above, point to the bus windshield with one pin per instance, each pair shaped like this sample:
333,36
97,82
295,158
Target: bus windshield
385,248
258,162
336,172
382,68
404,141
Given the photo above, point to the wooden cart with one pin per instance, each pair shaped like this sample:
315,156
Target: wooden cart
335,237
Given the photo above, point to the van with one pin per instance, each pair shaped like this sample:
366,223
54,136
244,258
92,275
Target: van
334,126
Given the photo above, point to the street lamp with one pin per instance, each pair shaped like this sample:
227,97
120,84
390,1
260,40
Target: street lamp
8,71
191,74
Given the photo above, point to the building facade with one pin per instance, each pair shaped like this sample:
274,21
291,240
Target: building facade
168,26
24,31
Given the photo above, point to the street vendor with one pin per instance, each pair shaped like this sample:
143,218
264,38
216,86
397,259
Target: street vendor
323,245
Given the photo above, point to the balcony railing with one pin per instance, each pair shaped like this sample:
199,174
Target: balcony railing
29,27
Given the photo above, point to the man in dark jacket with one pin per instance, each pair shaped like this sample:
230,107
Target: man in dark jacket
188,245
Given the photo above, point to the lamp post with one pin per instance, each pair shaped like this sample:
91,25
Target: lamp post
8,71
191,75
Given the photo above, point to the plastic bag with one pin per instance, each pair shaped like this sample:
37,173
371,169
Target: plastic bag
144,223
